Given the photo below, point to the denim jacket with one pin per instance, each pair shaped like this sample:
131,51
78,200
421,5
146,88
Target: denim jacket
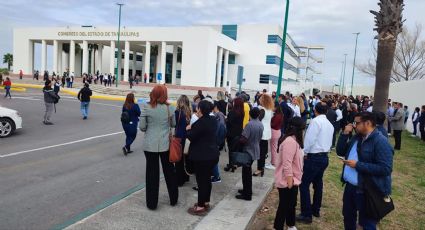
375,159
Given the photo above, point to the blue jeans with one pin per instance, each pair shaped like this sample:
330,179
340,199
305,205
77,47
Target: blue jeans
353,202
85,109
314,167
216,172
7,88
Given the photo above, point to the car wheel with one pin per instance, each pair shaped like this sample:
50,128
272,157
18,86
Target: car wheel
7,127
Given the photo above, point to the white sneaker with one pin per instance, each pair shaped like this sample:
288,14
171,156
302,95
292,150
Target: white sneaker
292,228
269,166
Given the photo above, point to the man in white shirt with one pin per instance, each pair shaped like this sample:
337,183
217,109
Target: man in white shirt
317,144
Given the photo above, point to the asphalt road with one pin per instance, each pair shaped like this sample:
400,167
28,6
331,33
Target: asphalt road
49,174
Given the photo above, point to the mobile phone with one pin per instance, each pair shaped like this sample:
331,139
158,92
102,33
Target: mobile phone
342,158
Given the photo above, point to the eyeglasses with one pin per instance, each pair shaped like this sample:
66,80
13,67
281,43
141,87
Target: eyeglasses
357,122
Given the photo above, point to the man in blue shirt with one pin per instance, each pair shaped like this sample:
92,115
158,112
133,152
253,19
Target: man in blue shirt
367,155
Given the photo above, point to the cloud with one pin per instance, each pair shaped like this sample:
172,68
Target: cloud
326,22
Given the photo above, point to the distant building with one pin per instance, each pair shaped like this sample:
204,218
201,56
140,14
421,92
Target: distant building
196,55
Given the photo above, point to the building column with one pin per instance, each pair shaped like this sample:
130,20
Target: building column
112,59
55,56
72,57
174,67
43,56
163,61
126,60
30,58
60,52
147,59
85,66
219,65
92,60
134,62
226,68
99,58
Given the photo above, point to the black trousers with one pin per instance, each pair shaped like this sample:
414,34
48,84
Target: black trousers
182,177
422,130
397,138
152,178
337,127
203,172
286,209
264,148
247,180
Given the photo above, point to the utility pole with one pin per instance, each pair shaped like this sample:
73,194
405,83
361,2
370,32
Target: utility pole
343,78
119,46
282,52
354,63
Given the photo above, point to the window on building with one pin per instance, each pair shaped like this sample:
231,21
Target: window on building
272,59
230,31
264,79
232,59
276,39
178,74
139,58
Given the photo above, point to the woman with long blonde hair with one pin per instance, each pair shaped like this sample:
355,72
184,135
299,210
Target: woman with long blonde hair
182,114
266,106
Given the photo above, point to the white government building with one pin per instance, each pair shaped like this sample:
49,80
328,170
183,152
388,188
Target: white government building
208,56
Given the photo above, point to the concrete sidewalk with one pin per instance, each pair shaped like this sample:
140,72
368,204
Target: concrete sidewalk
227,212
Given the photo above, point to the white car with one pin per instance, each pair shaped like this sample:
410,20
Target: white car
10,120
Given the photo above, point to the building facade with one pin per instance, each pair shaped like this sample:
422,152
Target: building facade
195,56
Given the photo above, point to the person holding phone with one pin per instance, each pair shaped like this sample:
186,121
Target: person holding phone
367,154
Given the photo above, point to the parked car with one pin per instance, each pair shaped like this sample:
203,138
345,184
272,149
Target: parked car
10,120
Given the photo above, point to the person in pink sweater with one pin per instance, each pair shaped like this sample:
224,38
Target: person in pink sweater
288,173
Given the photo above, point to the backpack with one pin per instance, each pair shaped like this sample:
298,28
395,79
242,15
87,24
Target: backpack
220,132
125,117
56,99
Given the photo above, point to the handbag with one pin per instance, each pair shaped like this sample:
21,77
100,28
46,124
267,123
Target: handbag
377,206
243,159
175,142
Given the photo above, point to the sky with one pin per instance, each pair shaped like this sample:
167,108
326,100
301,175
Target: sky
330,23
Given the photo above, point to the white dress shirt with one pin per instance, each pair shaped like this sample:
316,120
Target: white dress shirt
338,114
296,109
318,137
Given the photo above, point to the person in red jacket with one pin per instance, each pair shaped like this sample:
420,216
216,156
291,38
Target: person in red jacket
7,85
21,74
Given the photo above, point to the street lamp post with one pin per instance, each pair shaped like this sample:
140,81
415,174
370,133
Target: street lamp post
119,46
340,78
354,63
282,52
343,77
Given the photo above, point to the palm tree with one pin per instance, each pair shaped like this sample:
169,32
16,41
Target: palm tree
8,58
389,25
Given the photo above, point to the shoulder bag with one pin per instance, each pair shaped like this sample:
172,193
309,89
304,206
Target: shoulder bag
175,142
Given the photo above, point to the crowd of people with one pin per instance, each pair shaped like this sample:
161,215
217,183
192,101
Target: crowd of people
292,135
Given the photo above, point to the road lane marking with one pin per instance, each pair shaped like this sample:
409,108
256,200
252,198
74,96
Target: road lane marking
60,145
27,98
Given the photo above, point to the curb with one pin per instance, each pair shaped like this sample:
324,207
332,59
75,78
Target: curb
16,89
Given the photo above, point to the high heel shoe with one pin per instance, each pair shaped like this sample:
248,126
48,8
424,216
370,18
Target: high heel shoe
230,168
258,173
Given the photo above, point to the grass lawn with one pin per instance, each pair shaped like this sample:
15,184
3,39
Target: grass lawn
408,193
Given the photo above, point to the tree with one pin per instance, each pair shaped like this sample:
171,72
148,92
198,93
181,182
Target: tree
409,62
389,25
8,58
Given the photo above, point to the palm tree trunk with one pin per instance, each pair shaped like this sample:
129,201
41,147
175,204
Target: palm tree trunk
8,66
384,65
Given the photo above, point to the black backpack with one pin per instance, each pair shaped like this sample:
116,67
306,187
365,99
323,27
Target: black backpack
125,117
56,99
